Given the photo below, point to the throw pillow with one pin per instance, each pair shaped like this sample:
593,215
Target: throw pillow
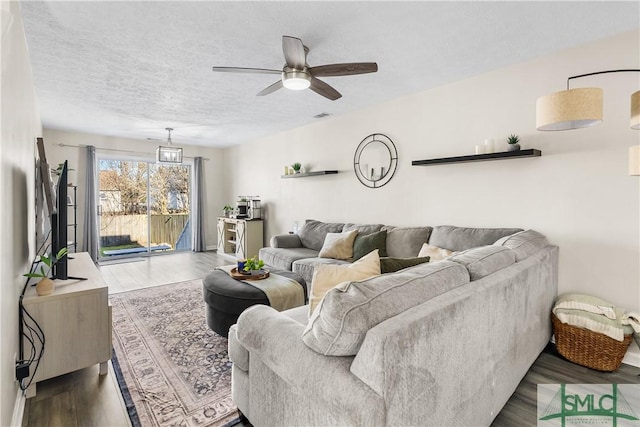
338,245
327,276
364,244
434,252
391,265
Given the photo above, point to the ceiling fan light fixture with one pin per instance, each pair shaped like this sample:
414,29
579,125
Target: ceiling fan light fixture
296,80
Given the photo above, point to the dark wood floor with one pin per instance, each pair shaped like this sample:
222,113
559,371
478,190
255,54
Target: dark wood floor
551,368
79,399
83,398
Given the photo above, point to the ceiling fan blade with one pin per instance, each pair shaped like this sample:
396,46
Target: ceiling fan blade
294,52
344,69
246,70
321,88
274,87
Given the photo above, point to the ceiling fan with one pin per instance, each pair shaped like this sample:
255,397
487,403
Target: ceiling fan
298,75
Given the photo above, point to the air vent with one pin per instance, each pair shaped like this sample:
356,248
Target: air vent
321,115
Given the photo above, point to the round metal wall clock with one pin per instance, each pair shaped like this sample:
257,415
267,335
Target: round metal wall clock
375,160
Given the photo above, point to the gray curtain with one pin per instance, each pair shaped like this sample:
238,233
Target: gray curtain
90,237
198,207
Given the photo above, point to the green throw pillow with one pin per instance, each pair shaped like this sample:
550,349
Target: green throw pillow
370,242
391,265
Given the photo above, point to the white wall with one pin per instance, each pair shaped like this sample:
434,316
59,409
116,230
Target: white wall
20,125
578,193
214,185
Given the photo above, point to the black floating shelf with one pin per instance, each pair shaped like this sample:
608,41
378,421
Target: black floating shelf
479,157
306,174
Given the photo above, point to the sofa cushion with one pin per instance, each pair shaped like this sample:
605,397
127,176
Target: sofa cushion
391,265
405,242
305,267
434,252
313,233
338,245
326,276
370,242
523,244
283,258
339,324
462,238
363,229
484,260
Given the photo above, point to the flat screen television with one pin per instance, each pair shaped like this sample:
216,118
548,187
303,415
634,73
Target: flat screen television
59,224
55,198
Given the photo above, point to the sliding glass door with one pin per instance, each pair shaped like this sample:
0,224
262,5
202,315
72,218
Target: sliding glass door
143,207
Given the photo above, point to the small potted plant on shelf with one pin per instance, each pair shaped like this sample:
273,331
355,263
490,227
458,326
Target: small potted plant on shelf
45,286
253,266
296,167
513,140
227,211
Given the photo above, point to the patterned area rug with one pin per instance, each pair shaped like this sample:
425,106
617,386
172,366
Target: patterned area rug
175,367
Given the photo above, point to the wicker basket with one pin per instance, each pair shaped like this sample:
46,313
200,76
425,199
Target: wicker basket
588,348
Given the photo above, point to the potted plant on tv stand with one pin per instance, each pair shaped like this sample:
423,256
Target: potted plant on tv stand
45,286
227,211
296,167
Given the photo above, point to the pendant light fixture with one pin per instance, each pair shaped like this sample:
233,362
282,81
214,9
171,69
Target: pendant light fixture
579,108
169,153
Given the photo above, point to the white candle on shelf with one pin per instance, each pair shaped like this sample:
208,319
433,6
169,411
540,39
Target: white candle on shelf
479,149
489,146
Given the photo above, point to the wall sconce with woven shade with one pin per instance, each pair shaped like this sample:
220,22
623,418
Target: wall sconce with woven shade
168,153
579,108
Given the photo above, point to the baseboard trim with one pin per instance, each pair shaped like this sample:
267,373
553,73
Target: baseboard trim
18,409
632,357
212,248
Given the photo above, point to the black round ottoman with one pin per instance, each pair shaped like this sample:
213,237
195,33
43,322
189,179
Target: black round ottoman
225,298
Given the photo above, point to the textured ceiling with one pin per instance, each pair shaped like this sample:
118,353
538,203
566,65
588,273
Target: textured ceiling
131,69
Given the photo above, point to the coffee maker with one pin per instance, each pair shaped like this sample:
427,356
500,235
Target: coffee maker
242,208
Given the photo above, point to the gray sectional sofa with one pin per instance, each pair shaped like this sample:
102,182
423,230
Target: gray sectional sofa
299,252
442,343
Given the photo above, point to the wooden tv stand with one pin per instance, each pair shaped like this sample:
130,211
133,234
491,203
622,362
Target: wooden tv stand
76,320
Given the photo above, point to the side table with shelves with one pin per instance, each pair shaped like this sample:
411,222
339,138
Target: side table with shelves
76,321
240,238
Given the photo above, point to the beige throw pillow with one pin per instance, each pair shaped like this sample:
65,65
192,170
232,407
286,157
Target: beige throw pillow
328,276
435,253
338,245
